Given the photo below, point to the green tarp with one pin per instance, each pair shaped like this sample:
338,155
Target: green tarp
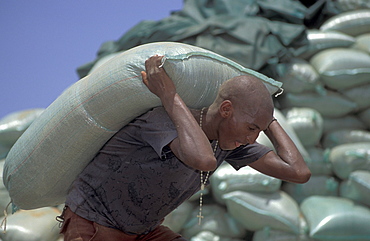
254,33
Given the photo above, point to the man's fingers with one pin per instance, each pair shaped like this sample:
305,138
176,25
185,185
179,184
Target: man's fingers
144,77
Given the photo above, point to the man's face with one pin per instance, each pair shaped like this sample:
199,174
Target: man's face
241,128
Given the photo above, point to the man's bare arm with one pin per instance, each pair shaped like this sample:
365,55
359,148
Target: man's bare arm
191,146
287,163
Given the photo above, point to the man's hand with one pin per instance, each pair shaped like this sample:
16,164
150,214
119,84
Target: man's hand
156,78
191,145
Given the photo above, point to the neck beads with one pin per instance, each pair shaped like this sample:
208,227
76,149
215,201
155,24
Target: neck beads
203,180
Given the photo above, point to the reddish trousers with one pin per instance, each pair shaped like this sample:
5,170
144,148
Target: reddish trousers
75,228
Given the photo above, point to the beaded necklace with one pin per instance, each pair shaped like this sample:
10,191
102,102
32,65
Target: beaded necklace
203,182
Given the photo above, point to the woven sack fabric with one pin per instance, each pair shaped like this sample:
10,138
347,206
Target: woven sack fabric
336,218
45,160
255,210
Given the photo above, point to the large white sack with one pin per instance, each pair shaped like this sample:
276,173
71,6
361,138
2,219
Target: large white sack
348,5
336,218
347,158
209,236
360,95
307,124
4,194
344,122
357,187
216,220
298,76
178,217
258,210
69,133
319,40
331,104
226,179
12,127
354,22
104,60
363,42
267,234
32,225
318,164
317,185
342,68
14,124
345,136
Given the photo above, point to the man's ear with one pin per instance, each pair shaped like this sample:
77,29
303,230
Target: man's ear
226,108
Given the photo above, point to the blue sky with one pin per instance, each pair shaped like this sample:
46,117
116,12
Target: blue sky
43,42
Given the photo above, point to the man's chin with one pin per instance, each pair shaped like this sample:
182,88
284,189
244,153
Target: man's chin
227,148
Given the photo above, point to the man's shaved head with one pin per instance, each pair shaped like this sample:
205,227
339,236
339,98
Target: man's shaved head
247,94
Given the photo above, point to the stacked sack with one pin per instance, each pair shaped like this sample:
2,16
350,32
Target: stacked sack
327,104
325,108
33,225
326,111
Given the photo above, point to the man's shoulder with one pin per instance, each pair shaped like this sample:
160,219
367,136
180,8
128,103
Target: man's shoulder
157,114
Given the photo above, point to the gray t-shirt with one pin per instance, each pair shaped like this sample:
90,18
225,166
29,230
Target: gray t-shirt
135,180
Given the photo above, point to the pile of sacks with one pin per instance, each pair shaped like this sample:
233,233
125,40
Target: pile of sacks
35,225
245,204
325,109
